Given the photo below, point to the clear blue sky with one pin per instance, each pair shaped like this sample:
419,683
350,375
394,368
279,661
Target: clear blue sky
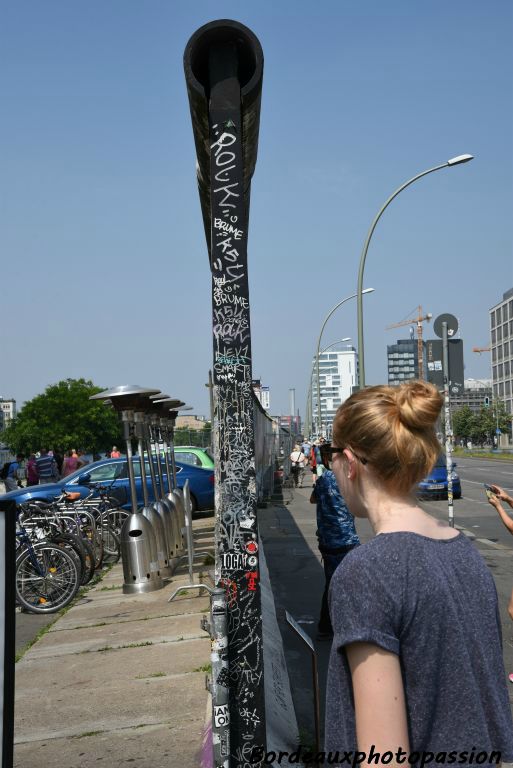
105,272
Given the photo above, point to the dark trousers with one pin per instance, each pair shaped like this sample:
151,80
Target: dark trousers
331,560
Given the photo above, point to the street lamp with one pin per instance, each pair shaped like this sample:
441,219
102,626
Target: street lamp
361,355
319,420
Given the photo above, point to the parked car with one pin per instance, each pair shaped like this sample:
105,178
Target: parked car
435,484
198,457
114,473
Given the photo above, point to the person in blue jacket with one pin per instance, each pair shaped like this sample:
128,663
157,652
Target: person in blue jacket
336,532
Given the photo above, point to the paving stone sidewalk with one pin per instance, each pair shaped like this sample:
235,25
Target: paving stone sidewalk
118,680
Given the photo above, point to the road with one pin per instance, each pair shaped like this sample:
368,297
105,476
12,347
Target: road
297,579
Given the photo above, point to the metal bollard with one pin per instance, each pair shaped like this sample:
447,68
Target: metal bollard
139,552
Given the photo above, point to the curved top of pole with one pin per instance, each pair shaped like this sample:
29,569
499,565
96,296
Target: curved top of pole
361,352
223,32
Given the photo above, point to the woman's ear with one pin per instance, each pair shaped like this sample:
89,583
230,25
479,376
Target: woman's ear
350,464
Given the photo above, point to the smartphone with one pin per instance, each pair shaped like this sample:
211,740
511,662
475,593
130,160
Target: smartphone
489,492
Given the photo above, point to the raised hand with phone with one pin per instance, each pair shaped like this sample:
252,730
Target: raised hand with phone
495,495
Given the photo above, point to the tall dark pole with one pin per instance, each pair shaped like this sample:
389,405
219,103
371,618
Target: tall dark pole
229,59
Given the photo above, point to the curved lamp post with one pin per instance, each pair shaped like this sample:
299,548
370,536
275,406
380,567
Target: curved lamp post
361,358
308,420
319,419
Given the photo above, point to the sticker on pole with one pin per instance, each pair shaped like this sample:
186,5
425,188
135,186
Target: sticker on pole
221,716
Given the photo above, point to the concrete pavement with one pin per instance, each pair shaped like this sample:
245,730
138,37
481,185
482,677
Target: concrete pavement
118,680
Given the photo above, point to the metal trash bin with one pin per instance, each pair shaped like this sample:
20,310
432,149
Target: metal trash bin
139,553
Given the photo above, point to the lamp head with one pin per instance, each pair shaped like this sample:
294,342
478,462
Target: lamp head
368,290
460,159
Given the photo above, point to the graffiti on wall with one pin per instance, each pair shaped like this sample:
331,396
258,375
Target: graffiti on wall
236,494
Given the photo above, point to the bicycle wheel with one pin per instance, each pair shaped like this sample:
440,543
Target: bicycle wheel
115,518
47,578
90,560
74,547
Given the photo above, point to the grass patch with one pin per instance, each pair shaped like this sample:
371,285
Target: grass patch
110,588
152,674
137,645
87,733
204,668
209,560
477,454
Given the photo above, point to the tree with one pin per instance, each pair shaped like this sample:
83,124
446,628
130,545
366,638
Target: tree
64,417
481,426
463,422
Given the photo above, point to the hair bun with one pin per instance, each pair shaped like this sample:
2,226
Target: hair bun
418,404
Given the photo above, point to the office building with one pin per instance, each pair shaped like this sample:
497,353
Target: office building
403,361
476,394
501,335
8,408
262,394
338,374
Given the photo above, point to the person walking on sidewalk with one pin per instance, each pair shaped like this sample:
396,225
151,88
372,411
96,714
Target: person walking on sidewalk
298,462
416,662
336,533
46,468
14,474
32,475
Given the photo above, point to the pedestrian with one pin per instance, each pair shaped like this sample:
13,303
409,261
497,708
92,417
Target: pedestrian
416,662
31,469
115,454
58,458
305,447
15,474
70,464
81,460
313,462
336,533
298,462
495,496
46,468
294,463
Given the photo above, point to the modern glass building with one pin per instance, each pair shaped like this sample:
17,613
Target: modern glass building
501,334
338,374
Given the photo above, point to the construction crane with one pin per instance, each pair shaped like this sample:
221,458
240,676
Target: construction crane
480,349
419,320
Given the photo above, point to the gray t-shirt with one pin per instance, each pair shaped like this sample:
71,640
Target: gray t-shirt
434,603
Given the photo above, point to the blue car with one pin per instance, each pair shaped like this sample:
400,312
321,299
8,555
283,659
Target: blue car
114,473
435,484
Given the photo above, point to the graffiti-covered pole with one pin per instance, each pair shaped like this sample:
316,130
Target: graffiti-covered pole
223,65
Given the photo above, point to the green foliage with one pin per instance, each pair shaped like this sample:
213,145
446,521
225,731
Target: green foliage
63,417
480,426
